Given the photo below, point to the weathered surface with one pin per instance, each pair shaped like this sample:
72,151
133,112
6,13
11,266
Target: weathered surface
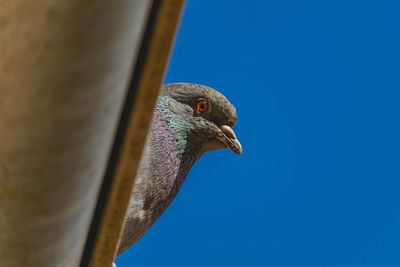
64,68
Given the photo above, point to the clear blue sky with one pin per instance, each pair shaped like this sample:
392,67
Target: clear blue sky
317,88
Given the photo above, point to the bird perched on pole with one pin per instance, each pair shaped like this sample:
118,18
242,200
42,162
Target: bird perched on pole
189,120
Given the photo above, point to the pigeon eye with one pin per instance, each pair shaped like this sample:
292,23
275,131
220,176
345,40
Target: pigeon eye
201,106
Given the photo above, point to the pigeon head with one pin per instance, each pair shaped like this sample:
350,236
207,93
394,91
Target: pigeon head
208,113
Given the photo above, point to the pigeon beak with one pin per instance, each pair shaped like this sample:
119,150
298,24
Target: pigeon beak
228,137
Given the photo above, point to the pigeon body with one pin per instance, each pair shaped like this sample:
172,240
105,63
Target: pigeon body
188,120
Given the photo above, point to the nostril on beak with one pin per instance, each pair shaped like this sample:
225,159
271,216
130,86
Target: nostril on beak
228,132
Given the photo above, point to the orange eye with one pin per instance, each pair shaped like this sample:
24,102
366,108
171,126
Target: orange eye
201,106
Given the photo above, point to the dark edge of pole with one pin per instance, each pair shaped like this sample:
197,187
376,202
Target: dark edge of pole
119,137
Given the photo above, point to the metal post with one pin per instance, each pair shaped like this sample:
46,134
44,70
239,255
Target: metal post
64,70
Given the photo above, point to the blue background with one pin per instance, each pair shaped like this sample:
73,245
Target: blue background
317,88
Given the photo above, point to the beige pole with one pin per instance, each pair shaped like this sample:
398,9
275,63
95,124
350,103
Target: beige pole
64,71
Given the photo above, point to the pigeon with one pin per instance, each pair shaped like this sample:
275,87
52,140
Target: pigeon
189,120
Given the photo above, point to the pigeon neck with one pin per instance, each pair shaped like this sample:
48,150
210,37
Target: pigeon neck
170,135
